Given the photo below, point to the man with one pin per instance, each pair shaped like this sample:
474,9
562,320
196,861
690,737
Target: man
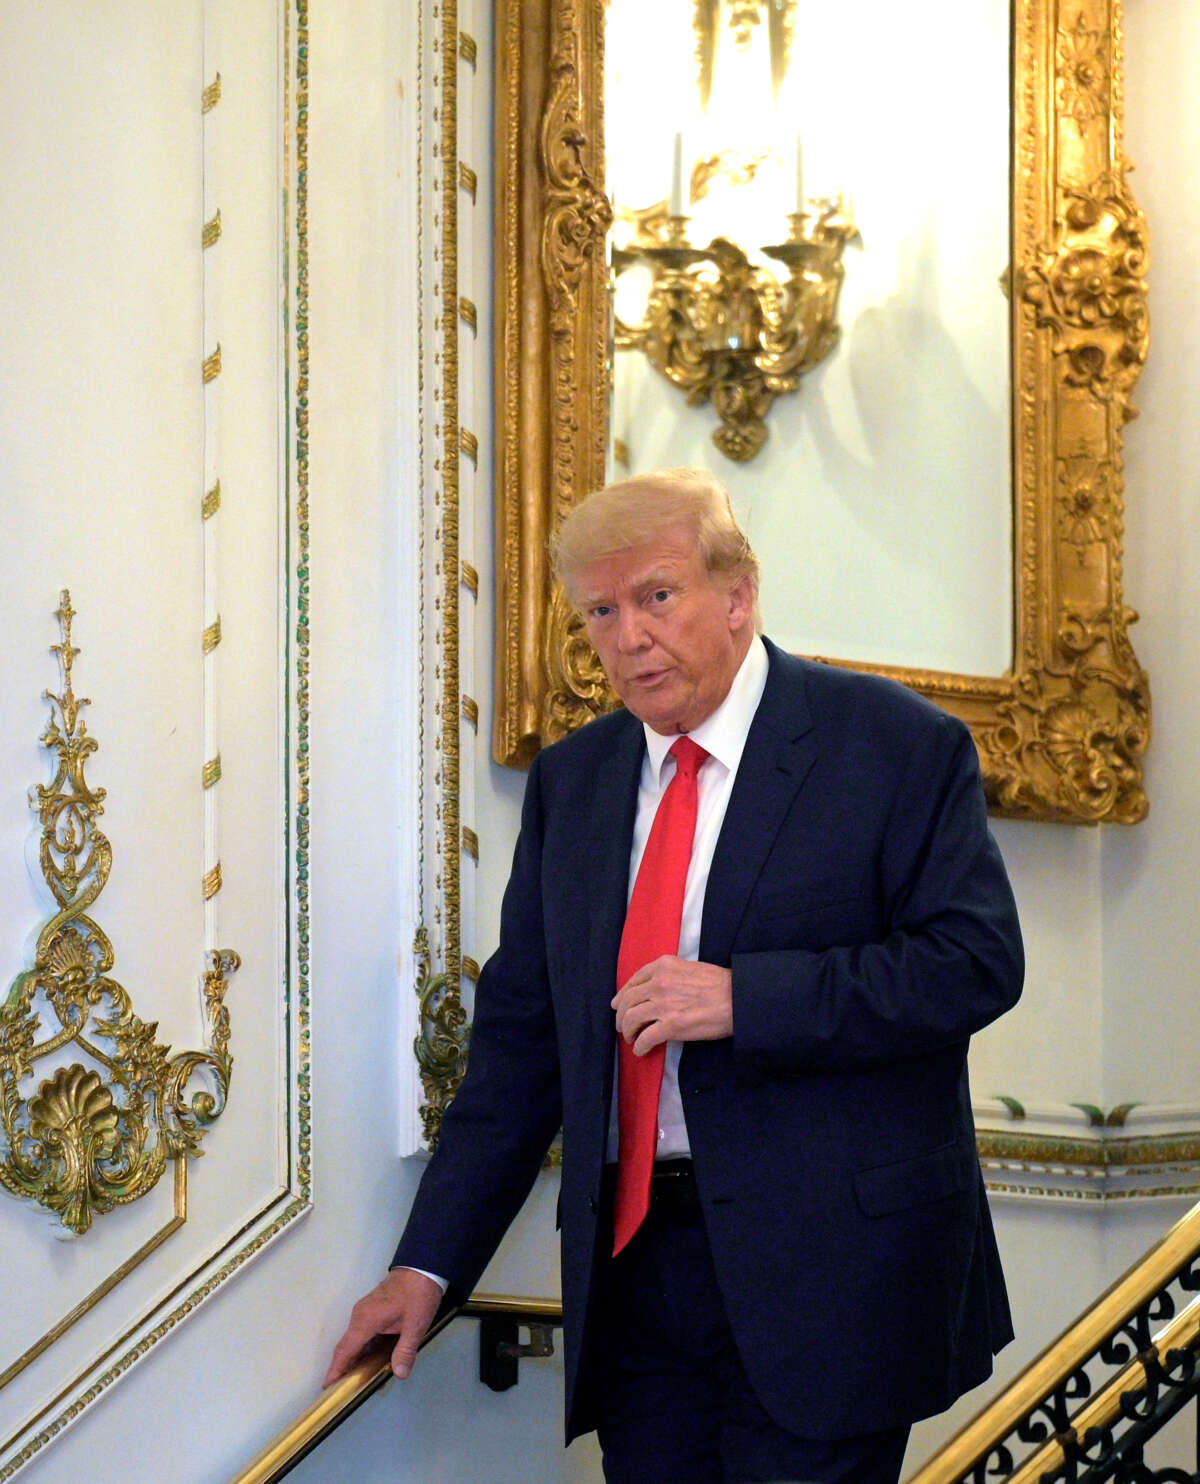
790,1259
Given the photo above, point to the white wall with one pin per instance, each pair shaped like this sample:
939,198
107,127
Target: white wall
1151,889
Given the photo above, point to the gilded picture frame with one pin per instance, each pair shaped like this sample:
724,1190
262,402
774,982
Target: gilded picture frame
1061,734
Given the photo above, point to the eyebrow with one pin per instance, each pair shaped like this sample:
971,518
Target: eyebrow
660,577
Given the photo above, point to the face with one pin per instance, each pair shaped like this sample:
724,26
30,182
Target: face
669,638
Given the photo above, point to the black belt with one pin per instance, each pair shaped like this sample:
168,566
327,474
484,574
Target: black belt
672,1186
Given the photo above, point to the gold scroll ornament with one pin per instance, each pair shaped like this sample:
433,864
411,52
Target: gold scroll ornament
99,1127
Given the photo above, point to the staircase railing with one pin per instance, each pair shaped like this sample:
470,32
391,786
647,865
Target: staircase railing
371,1373
1081,1412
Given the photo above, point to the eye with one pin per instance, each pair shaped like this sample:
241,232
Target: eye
599,610
660,595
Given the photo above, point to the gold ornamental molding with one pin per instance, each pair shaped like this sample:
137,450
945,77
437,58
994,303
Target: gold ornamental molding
95,1126
441,1043
1081,1153
1063,732
551,338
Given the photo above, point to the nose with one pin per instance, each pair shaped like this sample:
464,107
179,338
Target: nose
631,630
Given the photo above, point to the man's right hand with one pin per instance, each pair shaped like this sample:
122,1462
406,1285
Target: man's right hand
403,1305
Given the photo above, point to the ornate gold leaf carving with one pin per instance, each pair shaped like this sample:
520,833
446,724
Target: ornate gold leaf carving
1088,287
1082,71
441,1045
95,1133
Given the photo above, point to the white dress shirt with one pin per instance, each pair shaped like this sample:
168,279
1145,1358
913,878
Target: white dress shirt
723,737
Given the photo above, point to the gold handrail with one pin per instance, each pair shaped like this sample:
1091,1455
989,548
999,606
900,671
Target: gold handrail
1066,1354
366,1377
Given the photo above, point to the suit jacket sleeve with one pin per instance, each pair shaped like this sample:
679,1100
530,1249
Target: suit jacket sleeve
944,957
496,1132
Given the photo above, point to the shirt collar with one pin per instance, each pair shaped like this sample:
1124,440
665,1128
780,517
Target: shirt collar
723,734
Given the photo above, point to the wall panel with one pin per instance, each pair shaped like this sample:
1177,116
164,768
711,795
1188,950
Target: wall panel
145,466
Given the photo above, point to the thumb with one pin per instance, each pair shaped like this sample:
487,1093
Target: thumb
404,1353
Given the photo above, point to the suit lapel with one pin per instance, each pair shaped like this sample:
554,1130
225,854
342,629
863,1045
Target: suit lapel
606,845
779,752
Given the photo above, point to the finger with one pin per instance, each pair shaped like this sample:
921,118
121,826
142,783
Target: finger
345,1353
404,1353
640,977
653,1035
632,1019
404,1357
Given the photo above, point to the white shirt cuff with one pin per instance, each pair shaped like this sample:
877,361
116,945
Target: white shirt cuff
442,1283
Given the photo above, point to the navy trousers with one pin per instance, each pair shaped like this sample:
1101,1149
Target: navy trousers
672,1398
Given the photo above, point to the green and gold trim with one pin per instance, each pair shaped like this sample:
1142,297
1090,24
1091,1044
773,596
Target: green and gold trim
1078,1152
440,1045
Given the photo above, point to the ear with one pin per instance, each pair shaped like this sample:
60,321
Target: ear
741,605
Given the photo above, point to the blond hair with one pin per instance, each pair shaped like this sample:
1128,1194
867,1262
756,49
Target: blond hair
635,511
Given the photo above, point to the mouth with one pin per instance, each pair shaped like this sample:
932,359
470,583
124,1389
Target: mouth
647,677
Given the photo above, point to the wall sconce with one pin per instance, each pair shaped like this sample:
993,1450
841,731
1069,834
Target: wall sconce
732,332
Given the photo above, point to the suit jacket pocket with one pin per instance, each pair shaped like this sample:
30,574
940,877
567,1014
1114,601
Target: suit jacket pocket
911,1182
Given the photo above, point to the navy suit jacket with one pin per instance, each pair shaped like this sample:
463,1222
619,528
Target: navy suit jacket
860,901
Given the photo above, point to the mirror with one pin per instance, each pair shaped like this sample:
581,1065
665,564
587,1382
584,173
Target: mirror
884,462
942,491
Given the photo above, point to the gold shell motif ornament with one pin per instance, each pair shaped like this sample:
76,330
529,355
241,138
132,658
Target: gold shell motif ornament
96,1131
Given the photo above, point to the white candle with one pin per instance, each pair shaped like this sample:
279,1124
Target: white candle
676,206
799,175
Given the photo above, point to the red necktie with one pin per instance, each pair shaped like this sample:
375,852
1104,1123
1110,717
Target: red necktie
652,924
